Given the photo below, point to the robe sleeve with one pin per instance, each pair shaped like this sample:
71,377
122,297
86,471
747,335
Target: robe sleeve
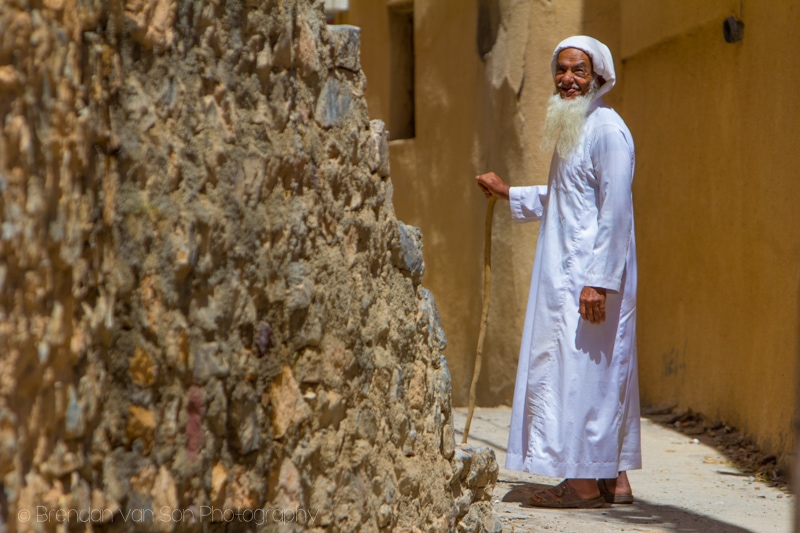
527,203
613,161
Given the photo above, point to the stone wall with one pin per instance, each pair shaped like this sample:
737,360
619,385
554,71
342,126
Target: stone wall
207,305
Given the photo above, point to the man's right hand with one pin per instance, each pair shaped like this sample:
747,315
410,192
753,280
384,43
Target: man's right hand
491,185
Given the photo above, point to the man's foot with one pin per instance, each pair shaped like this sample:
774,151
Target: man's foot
565,496
616,490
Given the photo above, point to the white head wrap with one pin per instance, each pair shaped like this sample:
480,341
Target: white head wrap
602,62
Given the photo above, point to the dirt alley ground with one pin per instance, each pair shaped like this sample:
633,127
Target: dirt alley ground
686,485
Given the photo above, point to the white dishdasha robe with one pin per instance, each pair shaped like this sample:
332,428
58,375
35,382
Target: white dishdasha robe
576,399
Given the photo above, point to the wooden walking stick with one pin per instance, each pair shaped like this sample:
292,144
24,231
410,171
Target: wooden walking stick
487,278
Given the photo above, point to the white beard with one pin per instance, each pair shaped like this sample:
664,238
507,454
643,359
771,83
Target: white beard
563,124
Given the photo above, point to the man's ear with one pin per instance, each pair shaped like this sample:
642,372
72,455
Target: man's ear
600,80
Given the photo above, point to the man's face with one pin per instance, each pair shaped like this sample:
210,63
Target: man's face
573,73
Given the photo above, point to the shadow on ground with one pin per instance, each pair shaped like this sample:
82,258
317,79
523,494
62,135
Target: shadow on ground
641,513
738,447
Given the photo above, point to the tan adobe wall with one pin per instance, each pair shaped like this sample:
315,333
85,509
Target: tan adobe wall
716,193
714,190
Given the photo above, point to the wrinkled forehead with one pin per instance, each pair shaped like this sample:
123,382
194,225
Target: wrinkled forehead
573,56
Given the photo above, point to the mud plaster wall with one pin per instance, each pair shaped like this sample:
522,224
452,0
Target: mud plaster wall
205,297
718,188
482,83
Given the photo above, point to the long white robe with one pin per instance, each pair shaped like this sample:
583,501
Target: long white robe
576,399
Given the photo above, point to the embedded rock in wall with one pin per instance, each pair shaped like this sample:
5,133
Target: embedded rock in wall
208,309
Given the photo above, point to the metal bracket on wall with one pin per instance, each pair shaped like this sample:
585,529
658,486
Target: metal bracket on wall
733,30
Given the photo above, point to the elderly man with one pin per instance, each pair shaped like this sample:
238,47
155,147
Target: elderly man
576,400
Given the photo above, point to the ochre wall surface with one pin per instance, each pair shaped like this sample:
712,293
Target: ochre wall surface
716,190
715,126
474,113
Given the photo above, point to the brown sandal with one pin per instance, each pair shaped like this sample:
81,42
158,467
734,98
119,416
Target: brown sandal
562,497
610,497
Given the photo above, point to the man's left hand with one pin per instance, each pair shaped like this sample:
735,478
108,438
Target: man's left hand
593,304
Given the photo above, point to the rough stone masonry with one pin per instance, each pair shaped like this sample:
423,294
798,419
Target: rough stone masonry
210,318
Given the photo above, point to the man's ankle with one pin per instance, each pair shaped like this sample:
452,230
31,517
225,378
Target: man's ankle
585,488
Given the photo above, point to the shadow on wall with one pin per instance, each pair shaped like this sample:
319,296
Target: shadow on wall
488,24
501,138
